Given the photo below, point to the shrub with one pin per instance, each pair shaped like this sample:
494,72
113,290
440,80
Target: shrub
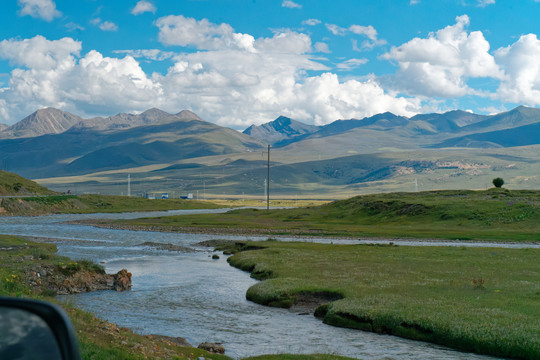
498,182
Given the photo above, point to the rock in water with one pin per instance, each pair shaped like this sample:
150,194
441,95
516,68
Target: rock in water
122,280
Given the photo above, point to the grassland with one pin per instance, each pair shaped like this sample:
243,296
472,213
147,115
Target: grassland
66,204
494,215
482,300
13,184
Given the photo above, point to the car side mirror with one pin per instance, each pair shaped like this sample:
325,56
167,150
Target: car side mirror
31,329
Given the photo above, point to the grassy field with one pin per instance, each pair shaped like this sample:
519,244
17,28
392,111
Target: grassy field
68,204
495,214
482,300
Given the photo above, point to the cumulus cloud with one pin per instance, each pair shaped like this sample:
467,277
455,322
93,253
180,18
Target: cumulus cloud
290,4
440,64
521,64
142,7
202,34
42,9
227,71
52,73
40,53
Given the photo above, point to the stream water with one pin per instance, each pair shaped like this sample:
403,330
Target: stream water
192,296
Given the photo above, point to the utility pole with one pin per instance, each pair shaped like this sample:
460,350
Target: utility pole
129,185
268,182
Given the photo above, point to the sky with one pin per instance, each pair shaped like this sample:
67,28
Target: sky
242,62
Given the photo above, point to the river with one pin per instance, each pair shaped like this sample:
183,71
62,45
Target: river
188,294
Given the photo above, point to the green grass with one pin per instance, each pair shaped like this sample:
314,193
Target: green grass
483,300
13,184
69,204
496,214
107,203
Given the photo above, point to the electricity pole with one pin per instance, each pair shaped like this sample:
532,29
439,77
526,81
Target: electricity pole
268,182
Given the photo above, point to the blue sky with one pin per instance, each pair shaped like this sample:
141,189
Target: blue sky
239,62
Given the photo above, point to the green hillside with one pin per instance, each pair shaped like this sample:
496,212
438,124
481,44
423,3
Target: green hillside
13,184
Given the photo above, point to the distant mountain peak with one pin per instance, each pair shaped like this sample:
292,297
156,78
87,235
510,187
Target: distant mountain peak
43,121
280,129
188,115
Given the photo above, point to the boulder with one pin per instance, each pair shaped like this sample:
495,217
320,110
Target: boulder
122,280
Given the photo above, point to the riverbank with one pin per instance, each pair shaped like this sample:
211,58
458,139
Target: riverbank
495,215
480,300
99,339
31,269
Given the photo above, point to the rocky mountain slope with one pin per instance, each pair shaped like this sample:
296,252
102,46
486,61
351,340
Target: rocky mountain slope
43,121
280,130
83,149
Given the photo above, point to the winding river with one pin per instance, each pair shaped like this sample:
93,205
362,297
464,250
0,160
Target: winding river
188,294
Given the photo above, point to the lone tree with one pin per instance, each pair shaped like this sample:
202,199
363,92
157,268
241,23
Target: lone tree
498,182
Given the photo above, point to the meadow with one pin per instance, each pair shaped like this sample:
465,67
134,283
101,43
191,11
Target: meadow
482,300
487,215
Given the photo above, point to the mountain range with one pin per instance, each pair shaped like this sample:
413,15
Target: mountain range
182,149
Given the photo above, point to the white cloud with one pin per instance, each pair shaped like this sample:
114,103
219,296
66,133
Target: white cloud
414,2
290,4
151,54
440,64
71,26
313,22
227,71
484,3
202,34
43,9
108,26
104,25
39,53
336,30
142,7
322,47
521,64
285,42
368,31
351,64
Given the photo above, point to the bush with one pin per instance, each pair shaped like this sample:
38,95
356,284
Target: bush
498,182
